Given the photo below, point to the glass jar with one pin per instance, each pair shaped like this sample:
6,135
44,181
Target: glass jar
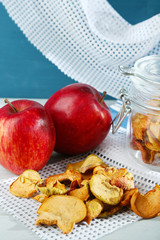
143,130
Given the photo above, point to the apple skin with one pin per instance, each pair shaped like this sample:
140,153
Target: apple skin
27,138
81,121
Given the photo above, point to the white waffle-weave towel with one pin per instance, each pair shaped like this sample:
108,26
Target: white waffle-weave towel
86,39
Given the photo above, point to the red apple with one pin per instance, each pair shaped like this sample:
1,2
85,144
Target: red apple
27,136
81,117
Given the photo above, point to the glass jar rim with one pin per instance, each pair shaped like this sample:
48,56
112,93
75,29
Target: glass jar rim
148,69
145,106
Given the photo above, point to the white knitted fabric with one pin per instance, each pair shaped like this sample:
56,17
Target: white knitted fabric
86,39
113,152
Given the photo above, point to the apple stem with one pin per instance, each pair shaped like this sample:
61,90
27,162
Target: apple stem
10,104
103,96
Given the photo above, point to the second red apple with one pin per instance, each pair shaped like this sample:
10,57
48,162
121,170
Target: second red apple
82,119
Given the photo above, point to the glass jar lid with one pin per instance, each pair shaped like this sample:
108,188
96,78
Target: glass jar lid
148,68
145,81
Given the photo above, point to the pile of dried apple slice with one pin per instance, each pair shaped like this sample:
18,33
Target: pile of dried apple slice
86,190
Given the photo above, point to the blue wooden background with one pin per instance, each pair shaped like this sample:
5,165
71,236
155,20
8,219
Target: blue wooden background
25,73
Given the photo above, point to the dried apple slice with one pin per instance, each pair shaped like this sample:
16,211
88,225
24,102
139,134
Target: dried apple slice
155,127
87,175
140,123
122,179
154,102
127,197
22,189
94,208
82,192
75,183
86,166
119,173
90,162
153,143
40,197
110,211
104,191
105,170
32,176
148,205
26,184
151,147
57,189
147,154
74,166
67,175
62,210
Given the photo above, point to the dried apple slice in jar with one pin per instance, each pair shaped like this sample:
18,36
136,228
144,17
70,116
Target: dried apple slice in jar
155,127
152,141
147,154
146,134
62,210
140,123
